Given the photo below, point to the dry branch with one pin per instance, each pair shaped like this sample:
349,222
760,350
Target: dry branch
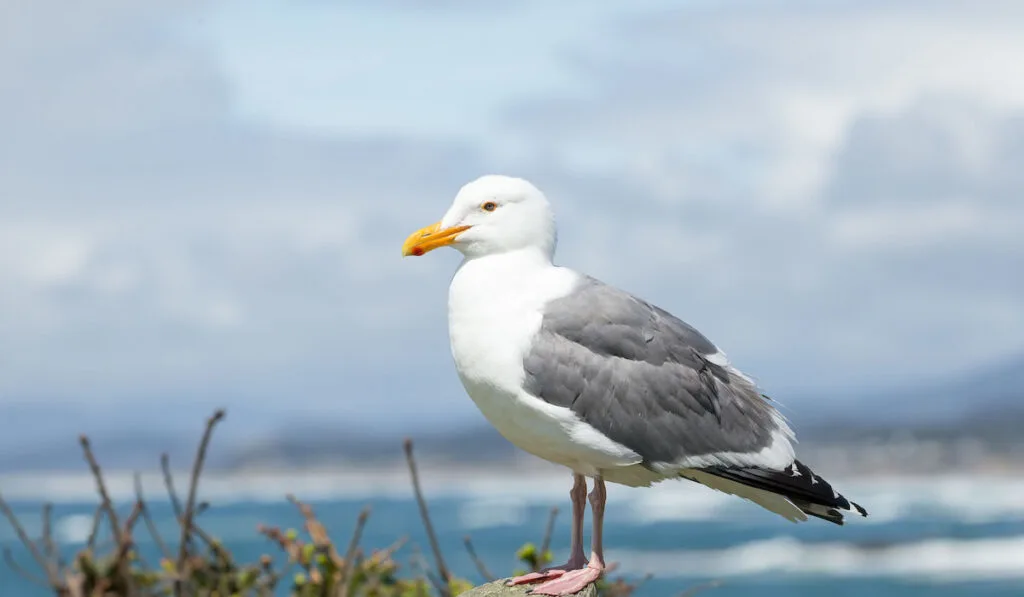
101,487
350,553
153,532
204,568
186,523
97,516
545,543
477,562
172,494
13,565
51,578
49,547
442,568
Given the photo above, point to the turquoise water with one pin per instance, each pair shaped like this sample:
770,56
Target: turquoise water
961,537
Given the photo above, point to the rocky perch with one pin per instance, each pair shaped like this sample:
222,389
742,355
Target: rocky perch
499,589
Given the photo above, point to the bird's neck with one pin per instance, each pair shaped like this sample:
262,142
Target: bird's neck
495,306
506,284
490,277
509,262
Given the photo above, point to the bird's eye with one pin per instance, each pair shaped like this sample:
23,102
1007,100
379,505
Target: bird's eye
489,206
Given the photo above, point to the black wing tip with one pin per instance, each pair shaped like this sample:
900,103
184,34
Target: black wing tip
834,516
807,490
840,500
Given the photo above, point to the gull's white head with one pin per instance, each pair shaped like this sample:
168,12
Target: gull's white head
493,214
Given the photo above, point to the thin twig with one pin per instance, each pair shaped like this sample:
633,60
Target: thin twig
106,503
94,530
208,540
48,546
479,563
172,495
133,518
32,578
646,579
314,527
442,569
108,506
357,533
390,550
186,525
52,579
153,532
53,559
441,587
419,562
350,552
129,524
548,530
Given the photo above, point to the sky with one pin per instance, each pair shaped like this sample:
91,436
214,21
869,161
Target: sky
202,202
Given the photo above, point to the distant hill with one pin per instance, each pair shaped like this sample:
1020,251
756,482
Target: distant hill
471,445
981,397
986,405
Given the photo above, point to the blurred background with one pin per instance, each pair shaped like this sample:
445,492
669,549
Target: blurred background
202,205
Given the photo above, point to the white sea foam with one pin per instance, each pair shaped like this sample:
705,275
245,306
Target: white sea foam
73,529
938,560
971,499
273,486
492,512
680,502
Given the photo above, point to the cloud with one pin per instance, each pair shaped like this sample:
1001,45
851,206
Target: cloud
154,249
749,100
829,191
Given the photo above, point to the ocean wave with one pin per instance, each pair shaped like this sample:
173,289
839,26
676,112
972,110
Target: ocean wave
936,560
273,486
968,499
683,502
492,512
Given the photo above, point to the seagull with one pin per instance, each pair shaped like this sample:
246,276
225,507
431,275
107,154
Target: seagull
590,377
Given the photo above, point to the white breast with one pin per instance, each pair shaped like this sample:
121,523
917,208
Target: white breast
495,306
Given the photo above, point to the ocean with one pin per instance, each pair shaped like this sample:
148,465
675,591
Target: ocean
929,536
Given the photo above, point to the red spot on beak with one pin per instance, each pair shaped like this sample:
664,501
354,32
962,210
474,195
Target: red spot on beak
417,252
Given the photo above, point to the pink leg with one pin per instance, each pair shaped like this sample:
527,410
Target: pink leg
574,581
577,559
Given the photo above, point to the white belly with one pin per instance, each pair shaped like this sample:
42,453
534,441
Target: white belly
525,426
494,311
549,432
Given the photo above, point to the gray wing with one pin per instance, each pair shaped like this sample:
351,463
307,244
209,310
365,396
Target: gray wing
642,377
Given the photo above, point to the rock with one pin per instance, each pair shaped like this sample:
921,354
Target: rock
498,589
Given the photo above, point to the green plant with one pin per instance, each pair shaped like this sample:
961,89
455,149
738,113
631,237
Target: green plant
202,566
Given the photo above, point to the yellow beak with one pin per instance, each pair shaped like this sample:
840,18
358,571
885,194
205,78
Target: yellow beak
427,239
